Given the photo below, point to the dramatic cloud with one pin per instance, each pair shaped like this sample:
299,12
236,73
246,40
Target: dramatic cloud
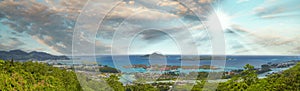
270,10
51,23
44,23
11,44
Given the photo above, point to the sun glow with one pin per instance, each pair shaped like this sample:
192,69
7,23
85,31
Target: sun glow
224,19
220,17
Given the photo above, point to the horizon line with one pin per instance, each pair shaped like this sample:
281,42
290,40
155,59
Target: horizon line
193,54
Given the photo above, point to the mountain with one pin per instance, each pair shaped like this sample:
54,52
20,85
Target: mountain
155,54
34,55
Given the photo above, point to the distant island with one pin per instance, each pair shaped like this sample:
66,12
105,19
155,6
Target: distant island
155,54
20,55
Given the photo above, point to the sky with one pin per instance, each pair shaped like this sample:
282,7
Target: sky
250,27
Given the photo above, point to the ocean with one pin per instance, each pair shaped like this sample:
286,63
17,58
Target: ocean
231,63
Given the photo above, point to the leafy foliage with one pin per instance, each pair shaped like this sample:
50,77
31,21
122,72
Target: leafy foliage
107,69
287,80
35,76
88,84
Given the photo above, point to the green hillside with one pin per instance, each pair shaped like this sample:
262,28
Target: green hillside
35,76
287,80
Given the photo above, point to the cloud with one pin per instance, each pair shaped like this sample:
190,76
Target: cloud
144,15
242,41
167,16
242,1
153,36
10,43
48,25
205,1
263,12
51,23
276,8
142,11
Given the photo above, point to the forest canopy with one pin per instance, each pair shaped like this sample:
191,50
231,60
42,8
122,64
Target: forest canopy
39,76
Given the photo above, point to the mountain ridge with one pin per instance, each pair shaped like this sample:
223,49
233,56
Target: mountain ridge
20,55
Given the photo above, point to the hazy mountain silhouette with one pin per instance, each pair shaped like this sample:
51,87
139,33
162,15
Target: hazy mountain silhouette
34,55
155,54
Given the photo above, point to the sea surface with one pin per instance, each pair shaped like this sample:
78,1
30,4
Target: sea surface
231,62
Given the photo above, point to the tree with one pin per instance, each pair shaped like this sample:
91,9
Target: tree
249,75
113,82
243,81
35,76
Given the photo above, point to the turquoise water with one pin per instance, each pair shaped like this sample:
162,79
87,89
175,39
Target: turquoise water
232,62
